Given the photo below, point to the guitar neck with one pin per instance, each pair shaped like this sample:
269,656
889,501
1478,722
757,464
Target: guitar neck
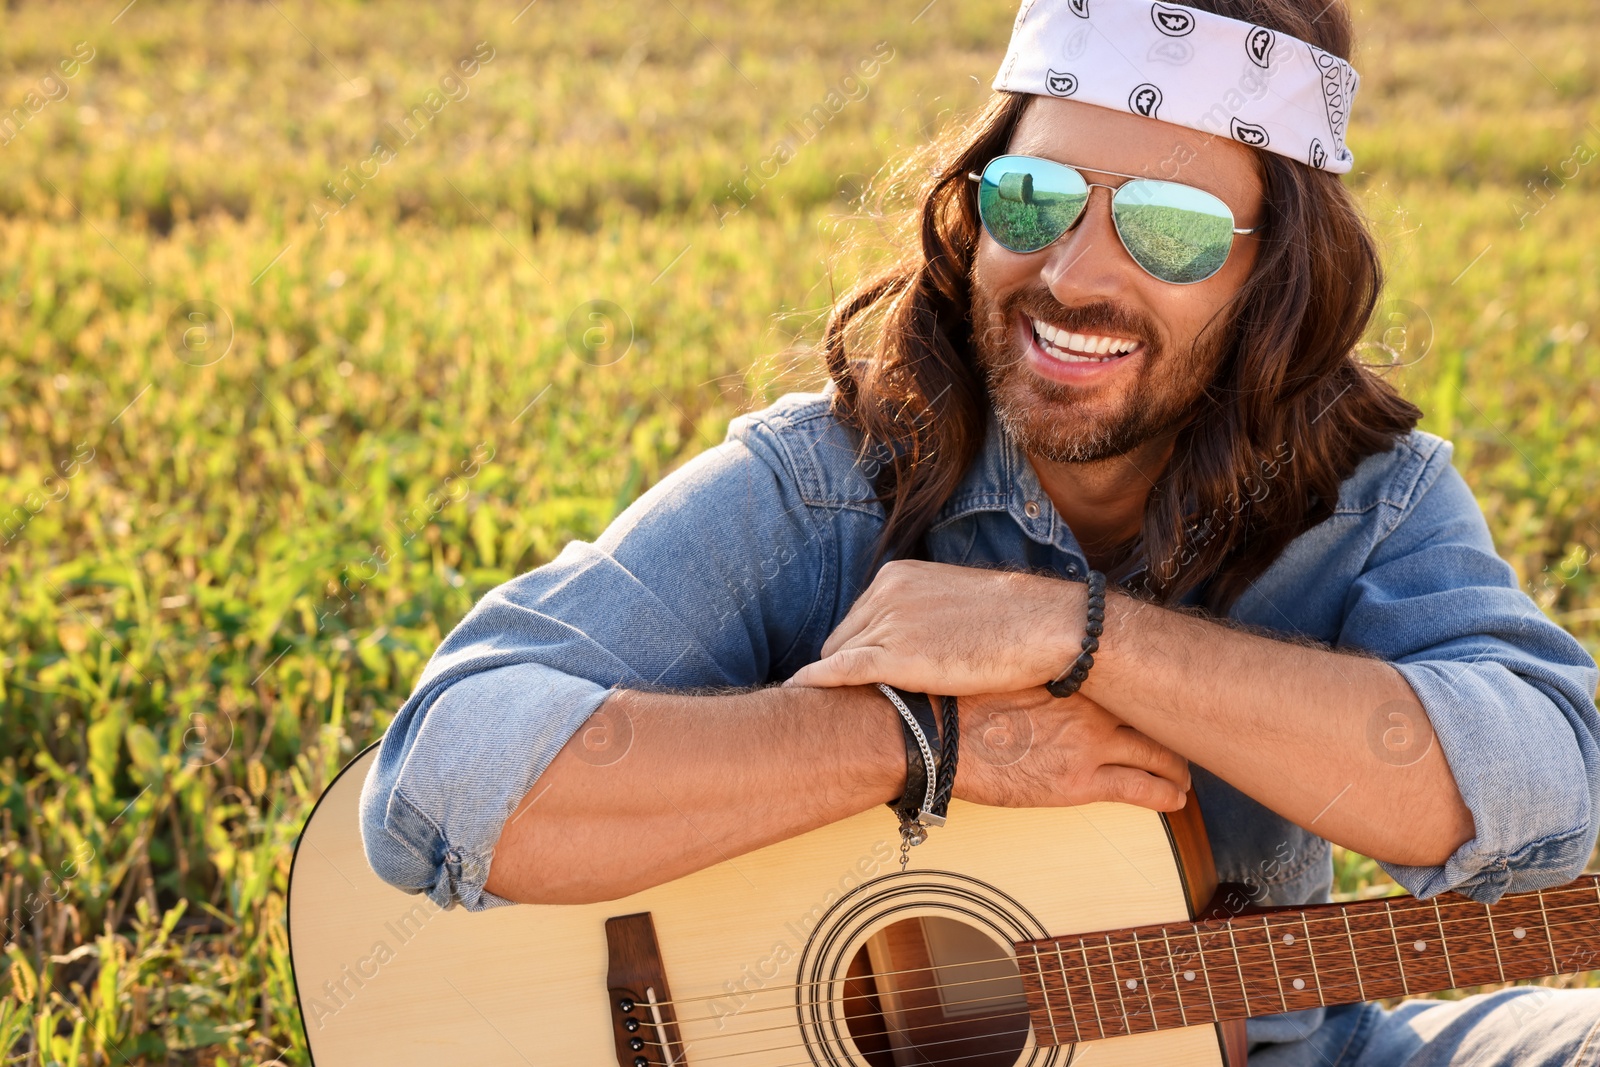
1087,987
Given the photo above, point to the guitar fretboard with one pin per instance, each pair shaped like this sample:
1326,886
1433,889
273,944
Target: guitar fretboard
1087,987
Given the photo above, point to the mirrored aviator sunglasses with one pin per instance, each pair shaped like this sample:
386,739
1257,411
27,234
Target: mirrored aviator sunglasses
1175,232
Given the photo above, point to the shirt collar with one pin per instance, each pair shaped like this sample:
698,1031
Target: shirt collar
1001,478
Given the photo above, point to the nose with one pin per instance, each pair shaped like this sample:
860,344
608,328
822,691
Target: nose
1089,262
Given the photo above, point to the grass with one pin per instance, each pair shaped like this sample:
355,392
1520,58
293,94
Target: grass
264,442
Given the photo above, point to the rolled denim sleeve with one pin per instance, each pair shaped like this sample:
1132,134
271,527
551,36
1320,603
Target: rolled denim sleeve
707,580
1510,695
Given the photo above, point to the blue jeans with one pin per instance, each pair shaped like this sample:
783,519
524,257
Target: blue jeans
1525,1026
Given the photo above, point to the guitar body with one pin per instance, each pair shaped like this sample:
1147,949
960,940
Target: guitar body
814,951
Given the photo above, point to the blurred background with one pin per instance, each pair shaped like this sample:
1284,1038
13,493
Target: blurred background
317,321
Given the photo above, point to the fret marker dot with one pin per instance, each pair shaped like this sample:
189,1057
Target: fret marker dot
1420,945
1519,933
1288,939
1131,984
1299,983
1188,976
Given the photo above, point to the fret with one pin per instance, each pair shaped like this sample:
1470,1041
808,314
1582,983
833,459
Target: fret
1494,939
1165,1007
1475,963
1094,998
1238,965
1396,946
1444,945
1272,952
1298,984
1066,984
1575,912
1044,991
1116,982
1422,957
1311,956
1522,935
1172,967
1144,980
1394,935
1354,963
1549,931
1376,955
1330,954
1204,972
1265,994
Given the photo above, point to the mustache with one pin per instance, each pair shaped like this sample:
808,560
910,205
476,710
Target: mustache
1097,317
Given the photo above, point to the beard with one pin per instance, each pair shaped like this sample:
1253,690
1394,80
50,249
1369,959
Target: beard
1071,424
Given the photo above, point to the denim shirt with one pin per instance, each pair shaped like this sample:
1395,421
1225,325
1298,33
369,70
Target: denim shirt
732,570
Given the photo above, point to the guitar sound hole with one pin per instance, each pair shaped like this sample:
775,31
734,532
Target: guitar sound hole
933,990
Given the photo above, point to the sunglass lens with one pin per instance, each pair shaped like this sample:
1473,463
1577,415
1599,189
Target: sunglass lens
1178,233
1026,203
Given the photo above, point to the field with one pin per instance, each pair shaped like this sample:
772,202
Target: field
244,354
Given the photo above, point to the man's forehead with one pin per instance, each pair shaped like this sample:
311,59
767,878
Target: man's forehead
1097,139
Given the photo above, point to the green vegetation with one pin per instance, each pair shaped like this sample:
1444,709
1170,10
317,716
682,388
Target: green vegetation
264,441
1182,244
1026,221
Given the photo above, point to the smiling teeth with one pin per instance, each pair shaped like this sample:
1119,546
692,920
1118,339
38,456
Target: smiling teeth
1080,347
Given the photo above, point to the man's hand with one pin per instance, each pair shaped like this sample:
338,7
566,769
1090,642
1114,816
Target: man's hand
936,627
1030,749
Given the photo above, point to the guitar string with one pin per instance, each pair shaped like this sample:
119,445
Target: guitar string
918,1048
1127,1028
1199,929
932,1063
1083,974
1126,1018
790,1026
898,1031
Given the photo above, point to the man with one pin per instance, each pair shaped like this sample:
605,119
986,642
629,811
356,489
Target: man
1307,620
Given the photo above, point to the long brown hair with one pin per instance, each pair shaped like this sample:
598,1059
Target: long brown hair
1290,413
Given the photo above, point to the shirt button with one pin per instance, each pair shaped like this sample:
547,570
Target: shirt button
1032,509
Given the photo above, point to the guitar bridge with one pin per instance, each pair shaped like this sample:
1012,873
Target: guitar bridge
643,1020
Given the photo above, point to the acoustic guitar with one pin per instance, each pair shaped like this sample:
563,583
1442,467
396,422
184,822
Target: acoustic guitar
1014,937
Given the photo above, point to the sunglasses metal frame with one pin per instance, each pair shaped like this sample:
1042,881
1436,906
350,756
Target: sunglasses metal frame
1113,190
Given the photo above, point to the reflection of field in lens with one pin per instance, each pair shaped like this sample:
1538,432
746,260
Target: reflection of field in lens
1031,224
1175,243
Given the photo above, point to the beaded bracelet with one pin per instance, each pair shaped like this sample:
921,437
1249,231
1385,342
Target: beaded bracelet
1071,679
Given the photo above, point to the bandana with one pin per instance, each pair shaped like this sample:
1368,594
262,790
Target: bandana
1188,67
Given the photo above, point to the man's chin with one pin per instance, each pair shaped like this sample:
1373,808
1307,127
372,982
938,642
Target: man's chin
1051,421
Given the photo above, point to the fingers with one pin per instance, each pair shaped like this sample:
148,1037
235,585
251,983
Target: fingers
1130,748
898,582
1124,785
863,612
854,621
853,666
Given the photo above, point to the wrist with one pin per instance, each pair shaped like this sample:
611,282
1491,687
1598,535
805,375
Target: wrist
1116,641
1070,678
1064,632
919,722
886,754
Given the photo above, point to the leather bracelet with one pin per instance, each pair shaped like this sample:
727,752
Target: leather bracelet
1071,679
950,752
923,751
